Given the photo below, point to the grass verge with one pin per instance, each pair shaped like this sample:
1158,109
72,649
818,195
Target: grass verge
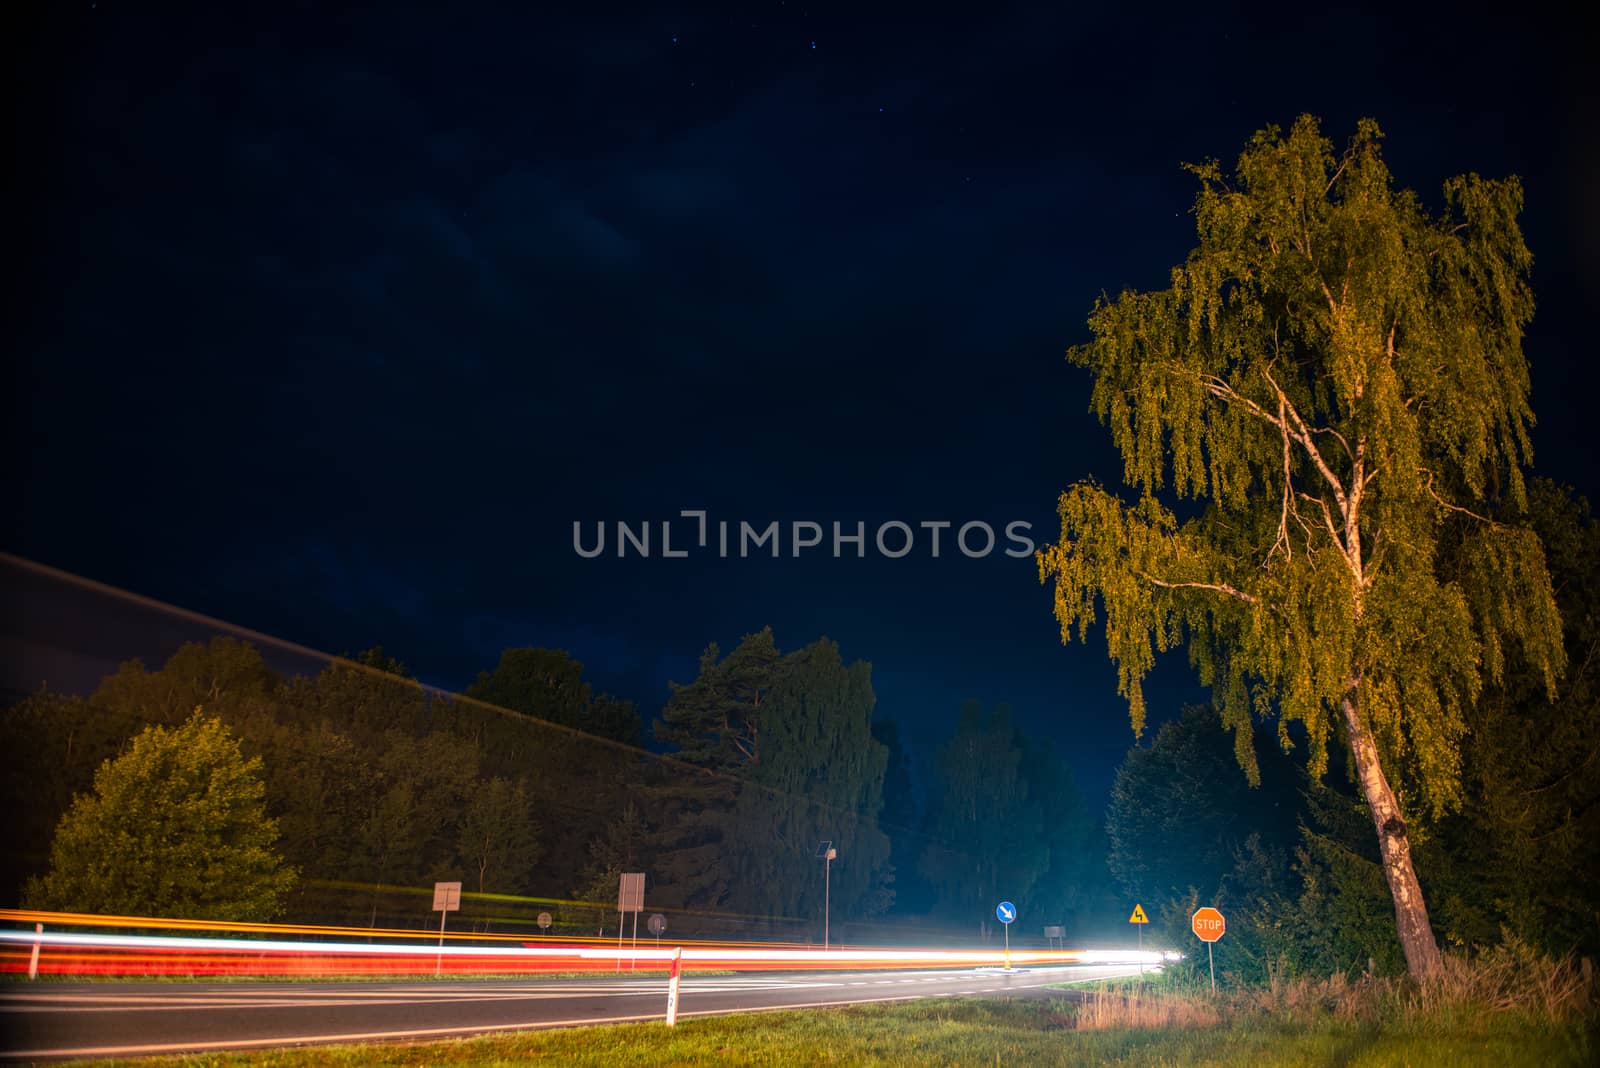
968,1032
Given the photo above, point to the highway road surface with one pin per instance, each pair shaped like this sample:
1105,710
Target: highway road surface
50,1020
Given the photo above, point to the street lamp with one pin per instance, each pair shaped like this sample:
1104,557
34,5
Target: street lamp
826,853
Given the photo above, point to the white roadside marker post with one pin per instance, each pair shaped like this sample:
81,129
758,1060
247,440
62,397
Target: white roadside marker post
672,988
33,963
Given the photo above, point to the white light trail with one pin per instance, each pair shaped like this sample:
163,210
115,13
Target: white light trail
754,955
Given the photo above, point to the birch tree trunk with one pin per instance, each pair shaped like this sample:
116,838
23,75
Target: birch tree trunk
1410,910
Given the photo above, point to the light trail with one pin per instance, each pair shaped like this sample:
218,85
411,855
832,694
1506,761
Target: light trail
140,1019
86,919
73,953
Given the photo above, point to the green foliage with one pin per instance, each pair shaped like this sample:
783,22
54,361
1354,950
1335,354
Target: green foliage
499,840
50,746
901,820
535,720
1338,375
403,829
366,697
714,722
714,725
786,758
819,777
176,826
1003,814
372,778
225,676
548,684
1187,829
1181,810
317,781
623,846
1518,856
1343,919
1071,890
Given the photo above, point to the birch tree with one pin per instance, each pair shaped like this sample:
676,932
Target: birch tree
1335,379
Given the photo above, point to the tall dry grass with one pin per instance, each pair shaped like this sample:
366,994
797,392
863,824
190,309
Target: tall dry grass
1512,978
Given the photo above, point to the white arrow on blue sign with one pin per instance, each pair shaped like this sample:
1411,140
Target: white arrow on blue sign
1005,912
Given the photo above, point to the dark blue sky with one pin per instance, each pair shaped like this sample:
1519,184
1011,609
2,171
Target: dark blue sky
332,322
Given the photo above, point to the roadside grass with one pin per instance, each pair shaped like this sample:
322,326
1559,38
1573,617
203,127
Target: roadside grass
1510,1006
974,1032
1511,981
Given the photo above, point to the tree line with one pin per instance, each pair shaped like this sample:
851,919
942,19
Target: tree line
531,789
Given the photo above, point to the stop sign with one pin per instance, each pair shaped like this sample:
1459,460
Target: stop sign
1208,924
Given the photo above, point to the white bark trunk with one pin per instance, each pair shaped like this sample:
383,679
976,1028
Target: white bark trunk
1410,911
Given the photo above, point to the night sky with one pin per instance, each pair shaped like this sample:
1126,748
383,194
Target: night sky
332,323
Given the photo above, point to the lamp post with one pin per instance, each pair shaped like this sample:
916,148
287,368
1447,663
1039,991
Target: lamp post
827,853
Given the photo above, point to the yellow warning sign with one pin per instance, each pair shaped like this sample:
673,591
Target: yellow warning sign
1138,915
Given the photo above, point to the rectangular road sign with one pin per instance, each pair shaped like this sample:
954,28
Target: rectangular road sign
447,897
630,894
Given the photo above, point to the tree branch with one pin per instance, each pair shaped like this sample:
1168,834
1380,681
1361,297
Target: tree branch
1288,487
1342,165
1303,436
1215,587
1329,430
1454,507
1327,515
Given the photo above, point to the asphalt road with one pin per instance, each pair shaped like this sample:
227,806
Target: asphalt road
51,1020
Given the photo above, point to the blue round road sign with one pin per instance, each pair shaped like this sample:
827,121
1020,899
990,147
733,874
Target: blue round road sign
1005,912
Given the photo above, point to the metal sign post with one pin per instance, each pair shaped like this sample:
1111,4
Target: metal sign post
446,899
828,855
630,898
1139,919
1005,912
1208,926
